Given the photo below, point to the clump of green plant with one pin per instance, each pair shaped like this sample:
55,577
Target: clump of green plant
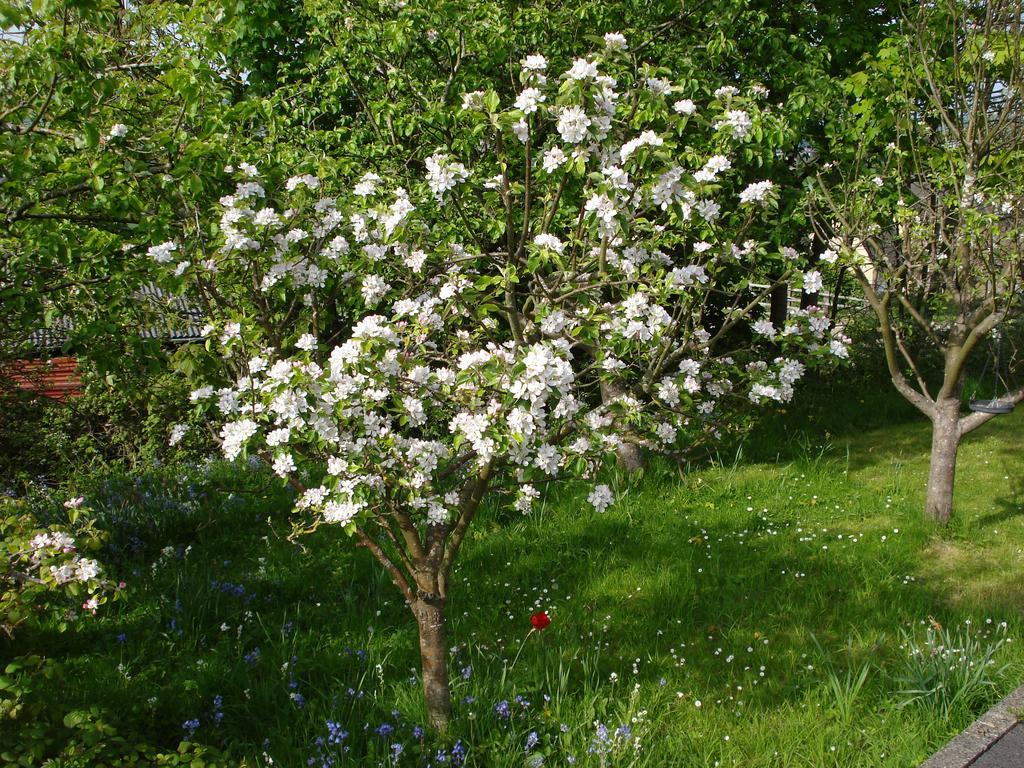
950,669
844,683
109,424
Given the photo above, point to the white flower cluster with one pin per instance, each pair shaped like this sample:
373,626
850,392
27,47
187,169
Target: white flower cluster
45,546
443,174
455,369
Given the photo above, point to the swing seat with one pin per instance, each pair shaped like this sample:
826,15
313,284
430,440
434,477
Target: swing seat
996,406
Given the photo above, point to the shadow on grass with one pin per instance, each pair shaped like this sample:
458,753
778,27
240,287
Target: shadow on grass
1011,506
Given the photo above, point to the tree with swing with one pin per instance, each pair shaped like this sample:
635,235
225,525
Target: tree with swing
400,350
928,212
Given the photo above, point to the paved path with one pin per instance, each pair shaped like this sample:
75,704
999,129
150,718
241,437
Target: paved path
1008,752
994,740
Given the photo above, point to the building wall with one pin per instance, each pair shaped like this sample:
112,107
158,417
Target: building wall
57,378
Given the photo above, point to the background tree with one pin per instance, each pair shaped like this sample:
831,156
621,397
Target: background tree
927,210
109,121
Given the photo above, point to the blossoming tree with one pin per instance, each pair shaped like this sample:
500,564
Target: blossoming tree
399,352
928,213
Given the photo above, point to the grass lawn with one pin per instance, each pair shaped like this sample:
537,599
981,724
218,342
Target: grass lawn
748,614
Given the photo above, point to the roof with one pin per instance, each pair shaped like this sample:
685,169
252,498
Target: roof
183,322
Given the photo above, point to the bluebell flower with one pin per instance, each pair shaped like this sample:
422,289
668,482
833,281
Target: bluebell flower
502,709
385,729
218,704
252,656
532,740
467,672
335,733
190,727
417,732
458,753
601,744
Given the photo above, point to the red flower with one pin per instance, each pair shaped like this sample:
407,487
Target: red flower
540,620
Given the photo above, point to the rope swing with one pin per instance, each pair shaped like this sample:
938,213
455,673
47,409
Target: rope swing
999,403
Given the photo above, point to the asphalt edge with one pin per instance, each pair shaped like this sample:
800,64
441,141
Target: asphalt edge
971,743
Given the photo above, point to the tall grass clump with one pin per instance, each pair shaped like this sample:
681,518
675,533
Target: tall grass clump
951,669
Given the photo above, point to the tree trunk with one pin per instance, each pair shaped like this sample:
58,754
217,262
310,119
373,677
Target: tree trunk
942,470
778,312
630,455
429,612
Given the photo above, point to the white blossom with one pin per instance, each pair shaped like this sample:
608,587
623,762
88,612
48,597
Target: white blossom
812,281
162,254
473,100
367,185
572,125
535,63
615,41
685,107
738,122
764,328
521,129
582,69
550,242
554,159
283,464
306,342
443,174
529,99
178,431
306,180
659,86
373,289
645,139
601,497
756,192
234,435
